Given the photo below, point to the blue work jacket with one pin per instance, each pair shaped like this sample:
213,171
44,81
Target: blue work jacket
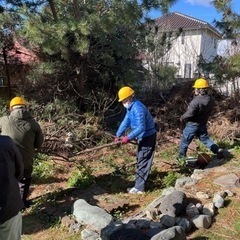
139,120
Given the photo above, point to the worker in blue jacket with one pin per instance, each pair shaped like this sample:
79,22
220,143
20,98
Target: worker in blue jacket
143,129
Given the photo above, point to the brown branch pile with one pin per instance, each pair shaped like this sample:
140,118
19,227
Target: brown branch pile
87,133
223,124
66,141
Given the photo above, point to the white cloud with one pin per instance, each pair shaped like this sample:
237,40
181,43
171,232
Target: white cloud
205,3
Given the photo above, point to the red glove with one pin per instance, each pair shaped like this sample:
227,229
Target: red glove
125,140
117,140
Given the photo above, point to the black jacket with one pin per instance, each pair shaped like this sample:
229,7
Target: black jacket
11,171
199,109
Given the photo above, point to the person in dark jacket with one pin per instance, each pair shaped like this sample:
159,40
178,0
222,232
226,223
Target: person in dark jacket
27,135
195,120
143,129
11,171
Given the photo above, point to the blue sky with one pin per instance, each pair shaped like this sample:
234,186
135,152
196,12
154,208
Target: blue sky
201,9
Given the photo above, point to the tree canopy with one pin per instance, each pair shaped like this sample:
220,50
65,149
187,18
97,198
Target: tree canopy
226,68
81,44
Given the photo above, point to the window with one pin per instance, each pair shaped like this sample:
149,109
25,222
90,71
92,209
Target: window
187,70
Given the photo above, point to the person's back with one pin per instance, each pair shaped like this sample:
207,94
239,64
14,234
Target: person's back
27,135
11,171
199,110
25,132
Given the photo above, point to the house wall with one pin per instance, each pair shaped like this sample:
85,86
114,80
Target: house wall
186,49
208,46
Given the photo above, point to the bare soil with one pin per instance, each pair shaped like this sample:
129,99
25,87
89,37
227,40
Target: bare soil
114,173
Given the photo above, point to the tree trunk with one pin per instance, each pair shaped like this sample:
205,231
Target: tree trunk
7,72
81,79
76,10
53,9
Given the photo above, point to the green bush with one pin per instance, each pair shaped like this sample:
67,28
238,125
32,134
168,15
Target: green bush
43,167
81,177
4,109
170,179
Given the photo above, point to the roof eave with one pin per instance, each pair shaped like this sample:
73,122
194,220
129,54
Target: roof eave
193,28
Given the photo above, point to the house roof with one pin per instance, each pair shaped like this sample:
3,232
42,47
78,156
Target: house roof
20,55
174,21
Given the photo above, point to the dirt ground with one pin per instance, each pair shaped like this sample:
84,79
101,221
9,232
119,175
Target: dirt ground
109,192
114,173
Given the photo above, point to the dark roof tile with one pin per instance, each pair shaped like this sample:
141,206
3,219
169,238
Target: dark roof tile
175,20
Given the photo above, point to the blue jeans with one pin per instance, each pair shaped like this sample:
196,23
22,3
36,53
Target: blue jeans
199,131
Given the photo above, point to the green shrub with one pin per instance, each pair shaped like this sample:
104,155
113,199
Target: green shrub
4,109
81,177
43,167
170,179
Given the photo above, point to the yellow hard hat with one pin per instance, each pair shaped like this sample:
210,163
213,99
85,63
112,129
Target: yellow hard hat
17,101
201,83
124,93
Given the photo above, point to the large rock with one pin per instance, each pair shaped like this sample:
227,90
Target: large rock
192,210
173,204
167,221
173,233
227,181
202,221
184,181
94,216
130,233
88,234
110,229
218,201
184,223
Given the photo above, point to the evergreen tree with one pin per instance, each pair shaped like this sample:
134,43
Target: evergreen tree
83,45
228,67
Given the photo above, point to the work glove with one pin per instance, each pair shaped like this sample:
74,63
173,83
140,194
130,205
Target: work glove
125,140
117,140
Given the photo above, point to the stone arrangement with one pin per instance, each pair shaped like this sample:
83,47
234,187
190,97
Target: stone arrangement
171,216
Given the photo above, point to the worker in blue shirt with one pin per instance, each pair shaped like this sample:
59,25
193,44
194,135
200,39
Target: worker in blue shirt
143,129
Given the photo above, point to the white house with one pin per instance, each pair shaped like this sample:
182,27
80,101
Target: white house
197,39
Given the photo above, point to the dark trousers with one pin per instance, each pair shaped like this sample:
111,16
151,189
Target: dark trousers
199,131
145,154
24,189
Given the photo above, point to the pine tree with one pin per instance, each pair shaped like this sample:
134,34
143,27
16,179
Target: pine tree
228,66
83,45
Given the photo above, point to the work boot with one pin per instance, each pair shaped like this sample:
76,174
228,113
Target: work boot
220,153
